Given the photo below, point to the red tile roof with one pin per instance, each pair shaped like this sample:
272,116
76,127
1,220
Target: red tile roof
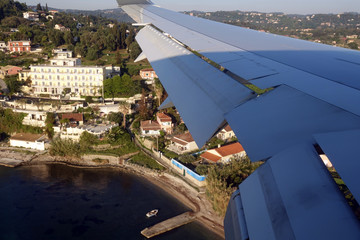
227,128
147,70
230,149
164,117
210,157
224,151
28,137
78,117
183,139
150,125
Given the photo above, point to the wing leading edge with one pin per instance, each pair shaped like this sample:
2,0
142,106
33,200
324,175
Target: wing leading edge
314,102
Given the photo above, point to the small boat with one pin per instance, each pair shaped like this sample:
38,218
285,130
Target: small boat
152,213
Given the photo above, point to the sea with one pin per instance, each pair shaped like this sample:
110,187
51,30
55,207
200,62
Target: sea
55,201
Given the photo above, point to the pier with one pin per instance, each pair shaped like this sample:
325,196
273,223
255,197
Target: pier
168,225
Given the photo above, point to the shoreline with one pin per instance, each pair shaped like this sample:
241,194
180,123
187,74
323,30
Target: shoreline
170,184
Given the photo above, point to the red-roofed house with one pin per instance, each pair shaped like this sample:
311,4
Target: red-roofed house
226,133
150,128
9,70
183,143
223,154
165,122
77,118
148,74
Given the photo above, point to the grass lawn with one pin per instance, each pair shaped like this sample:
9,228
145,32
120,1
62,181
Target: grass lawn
145,161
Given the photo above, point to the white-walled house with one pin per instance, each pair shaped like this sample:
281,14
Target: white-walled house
33,118
150,128
223,154
165,122
27,140
226,133
183,143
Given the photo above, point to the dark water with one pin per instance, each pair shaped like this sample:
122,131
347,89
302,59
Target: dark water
59,202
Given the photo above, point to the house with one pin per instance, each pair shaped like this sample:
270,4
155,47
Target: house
182,143
53,12
226,133
74,132
150,128
61,28
148,74
32,16
74,118
3,46
223,154
9,70
111,71
28,140
19,46
165,122
33,118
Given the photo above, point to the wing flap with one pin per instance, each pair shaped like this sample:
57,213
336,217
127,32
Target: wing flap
285,117
292,196
342,148
201,93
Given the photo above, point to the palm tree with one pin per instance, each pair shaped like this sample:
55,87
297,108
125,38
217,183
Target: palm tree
124,108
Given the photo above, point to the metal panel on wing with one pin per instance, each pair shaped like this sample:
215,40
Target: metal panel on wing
297,199
200,92
342,148
275,56
284,117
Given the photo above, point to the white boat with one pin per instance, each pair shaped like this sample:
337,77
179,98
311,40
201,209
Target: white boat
152,213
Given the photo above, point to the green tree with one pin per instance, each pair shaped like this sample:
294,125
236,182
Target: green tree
69,38
130,38
89,99
38,7
13,84
92,54
187,158
134,50
124,108
353,45
87,140
115,117
49,124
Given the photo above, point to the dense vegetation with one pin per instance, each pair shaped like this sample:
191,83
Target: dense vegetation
88,36
327,28
122,86
11,122
222,180
145,161
10,8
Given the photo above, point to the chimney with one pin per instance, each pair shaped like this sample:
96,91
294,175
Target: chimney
219,146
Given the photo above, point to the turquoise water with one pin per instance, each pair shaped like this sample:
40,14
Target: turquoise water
61,202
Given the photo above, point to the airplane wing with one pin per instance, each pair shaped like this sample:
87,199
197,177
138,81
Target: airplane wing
211,70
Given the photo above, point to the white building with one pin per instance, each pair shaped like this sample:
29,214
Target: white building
226,133
150,128
183,143
32,16
74,133
33,118
27,140
66,73
223,154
